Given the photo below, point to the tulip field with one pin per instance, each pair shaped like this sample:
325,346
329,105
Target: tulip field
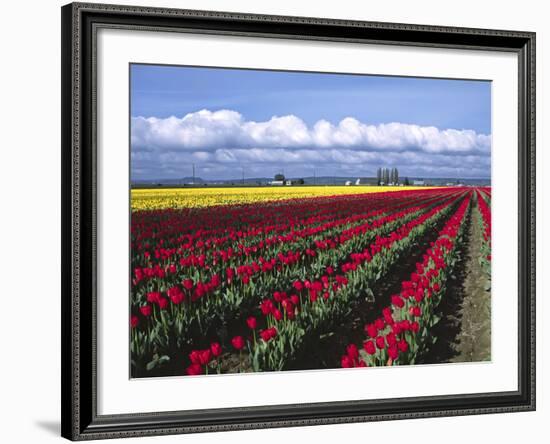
233,280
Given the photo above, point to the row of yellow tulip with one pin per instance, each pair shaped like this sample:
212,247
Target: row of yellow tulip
160,198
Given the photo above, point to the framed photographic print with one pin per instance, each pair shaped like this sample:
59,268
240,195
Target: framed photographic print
258,207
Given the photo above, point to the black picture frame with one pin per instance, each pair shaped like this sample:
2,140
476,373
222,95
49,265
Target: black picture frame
80,22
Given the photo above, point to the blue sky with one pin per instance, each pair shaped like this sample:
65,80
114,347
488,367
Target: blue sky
227,119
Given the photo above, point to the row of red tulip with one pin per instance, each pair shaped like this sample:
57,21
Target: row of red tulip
484,220
486,217
400,333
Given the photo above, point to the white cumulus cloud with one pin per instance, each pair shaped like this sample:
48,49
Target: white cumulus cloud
208,131
220,143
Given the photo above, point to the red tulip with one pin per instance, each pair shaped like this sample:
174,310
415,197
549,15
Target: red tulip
145,310
369,347
205,356
415,311
163,303
372,330
216,349
393,352
238,342
266,306
153,296
397,301
313,295
277,314
195,357
352,351
405,325
396,328
347,362
268,334
188,284
388,317
298,285
251,322
194,369
176,295
134,321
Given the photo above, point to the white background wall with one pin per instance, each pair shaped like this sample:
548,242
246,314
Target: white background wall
30,219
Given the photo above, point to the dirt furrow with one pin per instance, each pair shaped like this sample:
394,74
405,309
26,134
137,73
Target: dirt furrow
464,332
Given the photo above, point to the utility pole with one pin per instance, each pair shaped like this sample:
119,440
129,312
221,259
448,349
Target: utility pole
193,174
314,177
243,174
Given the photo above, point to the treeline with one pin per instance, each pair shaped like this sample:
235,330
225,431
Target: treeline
389,176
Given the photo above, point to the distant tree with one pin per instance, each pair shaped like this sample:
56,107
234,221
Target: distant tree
386,174
394,176
378,176
406,182
300,181
280,177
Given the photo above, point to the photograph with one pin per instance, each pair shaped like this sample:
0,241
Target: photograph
294,220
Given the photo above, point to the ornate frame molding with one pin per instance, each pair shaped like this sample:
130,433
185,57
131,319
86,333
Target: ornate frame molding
79,395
